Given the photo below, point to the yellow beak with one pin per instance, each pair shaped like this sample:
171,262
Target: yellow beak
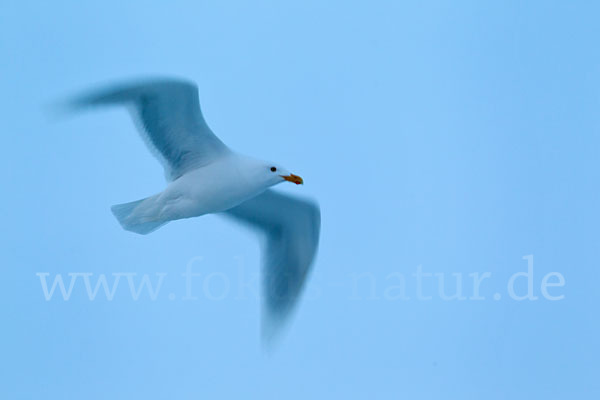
293,178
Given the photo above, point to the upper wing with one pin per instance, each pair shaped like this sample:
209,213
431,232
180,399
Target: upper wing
170,119
292,228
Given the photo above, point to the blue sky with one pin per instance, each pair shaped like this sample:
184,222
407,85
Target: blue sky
455,136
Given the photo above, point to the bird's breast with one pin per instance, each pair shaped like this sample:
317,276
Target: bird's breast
211,190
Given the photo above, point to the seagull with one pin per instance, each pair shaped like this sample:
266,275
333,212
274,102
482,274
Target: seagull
204,176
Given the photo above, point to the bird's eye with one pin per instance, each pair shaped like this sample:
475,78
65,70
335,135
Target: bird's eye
273,169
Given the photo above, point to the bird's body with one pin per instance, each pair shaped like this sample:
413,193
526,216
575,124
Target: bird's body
205,176
216,187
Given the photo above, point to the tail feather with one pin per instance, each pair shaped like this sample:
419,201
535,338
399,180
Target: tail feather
124,214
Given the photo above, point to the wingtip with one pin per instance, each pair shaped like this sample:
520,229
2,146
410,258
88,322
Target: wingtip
60,109
271,332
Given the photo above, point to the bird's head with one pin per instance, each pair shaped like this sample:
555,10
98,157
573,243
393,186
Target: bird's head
274,174
265,173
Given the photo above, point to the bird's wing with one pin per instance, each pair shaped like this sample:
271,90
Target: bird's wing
291,227
168,114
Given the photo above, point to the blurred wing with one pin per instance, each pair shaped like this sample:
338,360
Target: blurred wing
170,120
292,228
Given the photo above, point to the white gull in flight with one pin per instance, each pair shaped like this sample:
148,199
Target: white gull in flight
205,176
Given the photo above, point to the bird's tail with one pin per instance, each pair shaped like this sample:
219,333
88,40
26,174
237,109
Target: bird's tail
132,221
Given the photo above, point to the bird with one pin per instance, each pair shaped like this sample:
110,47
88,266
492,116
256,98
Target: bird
205,176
